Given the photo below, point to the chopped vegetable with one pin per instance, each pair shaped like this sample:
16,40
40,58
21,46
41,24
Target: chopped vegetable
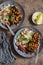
6,16
10,15
27,41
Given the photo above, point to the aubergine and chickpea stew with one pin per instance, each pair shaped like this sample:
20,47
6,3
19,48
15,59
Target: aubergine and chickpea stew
27,41
10,15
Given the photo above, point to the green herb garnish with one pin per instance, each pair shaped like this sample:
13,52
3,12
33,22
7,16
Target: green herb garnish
29,47
35,20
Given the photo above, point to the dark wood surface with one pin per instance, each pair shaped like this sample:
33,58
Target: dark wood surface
30,6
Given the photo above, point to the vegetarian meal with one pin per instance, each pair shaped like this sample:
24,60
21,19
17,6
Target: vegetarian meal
27,41
37,18
10,15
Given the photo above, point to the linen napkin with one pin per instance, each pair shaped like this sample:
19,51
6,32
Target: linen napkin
6,55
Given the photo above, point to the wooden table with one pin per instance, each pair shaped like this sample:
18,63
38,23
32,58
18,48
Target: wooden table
29,6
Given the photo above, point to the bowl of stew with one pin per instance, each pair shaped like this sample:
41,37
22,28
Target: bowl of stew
12,14
26,41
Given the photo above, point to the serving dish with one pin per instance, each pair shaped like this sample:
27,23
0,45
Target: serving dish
21,10
15,41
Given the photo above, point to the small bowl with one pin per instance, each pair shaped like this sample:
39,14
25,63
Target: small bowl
37,18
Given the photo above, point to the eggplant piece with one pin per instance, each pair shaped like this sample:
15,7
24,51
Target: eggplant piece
21,48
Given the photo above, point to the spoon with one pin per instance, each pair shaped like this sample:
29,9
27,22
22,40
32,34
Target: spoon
40,39
36,59
10,29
